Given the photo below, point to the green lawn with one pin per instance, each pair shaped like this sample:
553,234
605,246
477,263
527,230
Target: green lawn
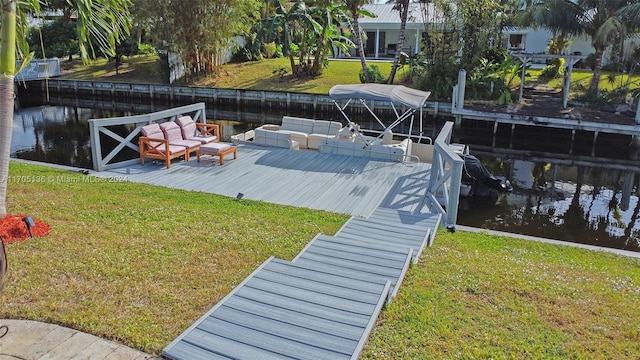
271,74
275,74
138,264
142,69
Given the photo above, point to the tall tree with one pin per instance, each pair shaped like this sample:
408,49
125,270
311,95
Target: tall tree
402,6
292,20
202,31
100,25
355,8
603,21
480,29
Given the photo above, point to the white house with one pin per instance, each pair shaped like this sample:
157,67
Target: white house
382,34
536,41
382,30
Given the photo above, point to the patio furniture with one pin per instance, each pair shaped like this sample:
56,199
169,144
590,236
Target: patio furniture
391,49
297,133
173,134
191,130
217,149
153,145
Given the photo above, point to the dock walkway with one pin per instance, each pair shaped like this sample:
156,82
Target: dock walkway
321,305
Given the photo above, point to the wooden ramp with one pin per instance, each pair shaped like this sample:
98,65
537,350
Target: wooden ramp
398,227
283,311
323,304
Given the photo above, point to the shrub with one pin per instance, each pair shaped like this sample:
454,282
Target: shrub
59,39
375,76
146,49
269,50
437,77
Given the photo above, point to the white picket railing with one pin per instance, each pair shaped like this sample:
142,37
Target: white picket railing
446,176
98,127
39,69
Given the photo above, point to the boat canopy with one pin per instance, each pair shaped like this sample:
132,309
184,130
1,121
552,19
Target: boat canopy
412,98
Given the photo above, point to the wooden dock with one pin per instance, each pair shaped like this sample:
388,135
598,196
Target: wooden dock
336,183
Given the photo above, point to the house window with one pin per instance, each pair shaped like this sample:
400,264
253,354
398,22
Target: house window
516,42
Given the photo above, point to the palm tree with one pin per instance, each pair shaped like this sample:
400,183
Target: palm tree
604,21
100,22
401,6
329,15
285,19
355,8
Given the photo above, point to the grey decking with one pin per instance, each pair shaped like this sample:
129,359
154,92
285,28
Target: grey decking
337,183
413,230
321,305
283,311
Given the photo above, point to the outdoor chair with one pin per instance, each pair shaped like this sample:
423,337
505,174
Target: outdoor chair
391,49
153,145
173,134
191,130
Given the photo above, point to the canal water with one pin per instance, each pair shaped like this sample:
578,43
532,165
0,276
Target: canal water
568,193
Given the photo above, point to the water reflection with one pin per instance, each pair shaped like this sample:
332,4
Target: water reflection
52,134
593,202
589,205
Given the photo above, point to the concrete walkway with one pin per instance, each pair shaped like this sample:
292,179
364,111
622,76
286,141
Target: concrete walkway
36,340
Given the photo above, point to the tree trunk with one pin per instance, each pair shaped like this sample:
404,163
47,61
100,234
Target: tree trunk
7,72
359,46
318,58
597,69
403,6
292,61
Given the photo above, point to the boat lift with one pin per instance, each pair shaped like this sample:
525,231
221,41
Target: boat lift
412,99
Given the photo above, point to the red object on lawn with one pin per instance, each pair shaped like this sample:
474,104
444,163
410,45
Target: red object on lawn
14,229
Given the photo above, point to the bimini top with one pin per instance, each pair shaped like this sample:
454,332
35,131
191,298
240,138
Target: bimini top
412,98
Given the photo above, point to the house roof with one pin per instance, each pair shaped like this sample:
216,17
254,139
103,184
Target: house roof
385,15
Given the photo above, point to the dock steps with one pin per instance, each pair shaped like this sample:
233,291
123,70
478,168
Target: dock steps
397,227
284,311
322,304
356,260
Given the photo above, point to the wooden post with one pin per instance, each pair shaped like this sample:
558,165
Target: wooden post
462,83
522,78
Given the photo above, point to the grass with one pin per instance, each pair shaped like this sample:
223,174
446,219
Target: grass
477,296
275,75
143,69
580,80
138,264
271,74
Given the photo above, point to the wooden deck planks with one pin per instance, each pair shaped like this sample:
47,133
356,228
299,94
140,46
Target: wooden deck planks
337,183
280,312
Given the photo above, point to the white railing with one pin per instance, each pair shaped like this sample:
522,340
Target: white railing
39,69
100,127
446,175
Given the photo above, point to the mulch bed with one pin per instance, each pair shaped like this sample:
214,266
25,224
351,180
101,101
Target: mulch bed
14,229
